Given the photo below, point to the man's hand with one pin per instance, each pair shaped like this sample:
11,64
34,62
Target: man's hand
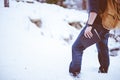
88,33
91,18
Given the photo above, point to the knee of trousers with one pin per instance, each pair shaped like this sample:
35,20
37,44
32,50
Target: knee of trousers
77,47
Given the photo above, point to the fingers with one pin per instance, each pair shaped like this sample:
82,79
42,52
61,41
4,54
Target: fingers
88,34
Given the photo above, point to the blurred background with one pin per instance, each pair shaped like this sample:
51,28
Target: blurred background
36,38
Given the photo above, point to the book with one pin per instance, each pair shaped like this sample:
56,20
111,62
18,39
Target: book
86,42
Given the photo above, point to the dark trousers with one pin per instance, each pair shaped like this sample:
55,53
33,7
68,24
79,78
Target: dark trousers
77,52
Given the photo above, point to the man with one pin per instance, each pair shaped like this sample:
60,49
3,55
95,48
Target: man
94,21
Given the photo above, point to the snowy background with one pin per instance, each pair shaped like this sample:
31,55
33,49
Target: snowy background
28,52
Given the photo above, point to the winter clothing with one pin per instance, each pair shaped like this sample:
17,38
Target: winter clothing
102,46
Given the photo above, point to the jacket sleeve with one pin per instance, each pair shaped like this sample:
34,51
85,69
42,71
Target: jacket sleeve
93,5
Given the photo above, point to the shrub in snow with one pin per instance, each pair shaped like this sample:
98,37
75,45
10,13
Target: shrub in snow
114,51
52,1
77,25
114,42
37,22
28,1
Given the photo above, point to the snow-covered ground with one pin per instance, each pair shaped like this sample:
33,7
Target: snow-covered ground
31,53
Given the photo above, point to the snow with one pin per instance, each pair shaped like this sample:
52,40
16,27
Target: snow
31,53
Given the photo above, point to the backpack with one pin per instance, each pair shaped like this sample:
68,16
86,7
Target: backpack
111,15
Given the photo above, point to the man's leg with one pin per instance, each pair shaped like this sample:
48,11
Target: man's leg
77,51
103,54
